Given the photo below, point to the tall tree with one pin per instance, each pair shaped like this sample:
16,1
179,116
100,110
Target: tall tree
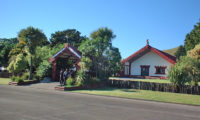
193,38
31,37
180,52
98,52
71,36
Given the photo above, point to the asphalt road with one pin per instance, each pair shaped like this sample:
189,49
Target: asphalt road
24,103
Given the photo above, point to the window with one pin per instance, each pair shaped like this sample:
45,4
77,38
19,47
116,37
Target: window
160,69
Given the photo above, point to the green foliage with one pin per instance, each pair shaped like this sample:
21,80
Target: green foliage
70,81
114,61
64,63
180,52
13,78
6,45
186,70
44,69
99,57
193,38
71,36
18,65
82,78
43,54
18,80
11,67
25,76
31,38
194,53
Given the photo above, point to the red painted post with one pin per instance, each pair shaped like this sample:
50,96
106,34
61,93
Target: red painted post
54,71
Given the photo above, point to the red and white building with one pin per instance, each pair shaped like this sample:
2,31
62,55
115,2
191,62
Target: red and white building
148,62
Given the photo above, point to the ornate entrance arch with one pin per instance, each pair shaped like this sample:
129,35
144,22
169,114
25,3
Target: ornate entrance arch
66,52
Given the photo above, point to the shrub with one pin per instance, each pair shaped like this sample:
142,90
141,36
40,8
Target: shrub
186,70
44,69
95,80
25,76
18,80
82,78
13,78
70,81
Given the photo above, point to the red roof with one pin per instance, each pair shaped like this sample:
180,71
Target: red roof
69,49
142,51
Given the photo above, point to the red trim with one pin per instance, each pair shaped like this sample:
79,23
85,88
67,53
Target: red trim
144,66
162,54
54,71
68,51
162,67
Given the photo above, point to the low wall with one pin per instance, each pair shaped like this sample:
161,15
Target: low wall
163,87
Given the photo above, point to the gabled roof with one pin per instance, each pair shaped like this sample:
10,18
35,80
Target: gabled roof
147,48
67,50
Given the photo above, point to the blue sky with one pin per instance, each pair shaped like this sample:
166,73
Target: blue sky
164,22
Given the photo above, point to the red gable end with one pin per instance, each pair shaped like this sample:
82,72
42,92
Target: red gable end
162,54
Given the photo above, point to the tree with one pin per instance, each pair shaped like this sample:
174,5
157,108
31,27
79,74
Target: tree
180,52
6,45
186,70
31,38
98,53
71,36
18,65
193,38
195,53
114,61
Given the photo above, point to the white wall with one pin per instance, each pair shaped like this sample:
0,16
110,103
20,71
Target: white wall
151,59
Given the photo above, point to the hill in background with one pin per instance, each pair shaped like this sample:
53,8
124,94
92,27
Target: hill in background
171,51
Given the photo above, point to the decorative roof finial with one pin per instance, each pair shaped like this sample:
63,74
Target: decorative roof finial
147,41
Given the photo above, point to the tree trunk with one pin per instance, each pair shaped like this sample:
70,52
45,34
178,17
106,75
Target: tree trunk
31,76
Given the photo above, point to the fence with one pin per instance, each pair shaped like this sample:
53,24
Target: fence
5,75
163,87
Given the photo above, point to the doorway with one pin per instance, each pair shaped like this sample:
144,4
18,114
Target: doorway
145,70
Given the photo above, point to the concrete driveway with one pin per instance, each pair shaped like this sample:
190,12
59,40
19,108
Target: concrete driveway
26,103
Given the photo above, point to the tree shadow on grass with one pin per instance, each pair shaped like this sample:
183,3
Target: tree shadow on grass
129,90
108,89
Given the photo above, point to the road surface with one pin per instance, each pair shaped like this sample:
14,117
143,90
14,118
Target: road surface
26,103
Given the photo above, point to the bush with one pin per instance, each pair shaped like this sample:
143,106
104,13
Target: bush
18,80
44,70
82,78
70,81
13,78
25,76
186,70
95,81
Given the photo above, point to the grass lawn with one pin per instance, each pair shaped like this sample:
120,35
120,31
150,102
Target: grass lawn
143,80
146,95
4,81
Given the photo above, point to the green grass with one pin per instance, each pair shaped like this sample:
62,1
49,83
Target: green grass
171,51
146,95
4,81
145,80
